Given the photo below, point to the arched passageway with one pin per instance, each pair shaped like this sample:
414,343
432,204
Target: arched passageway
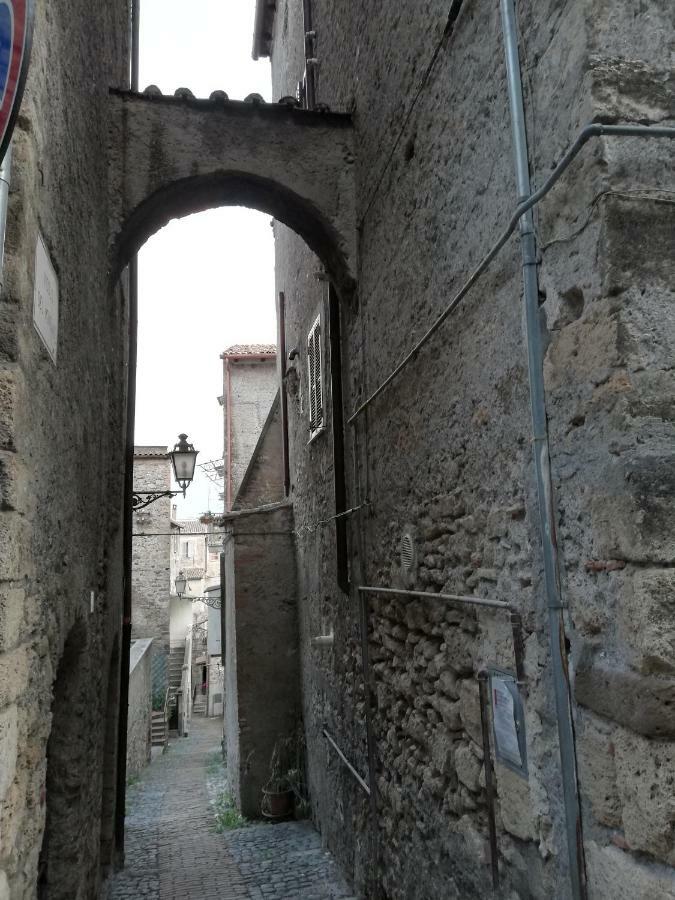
173,156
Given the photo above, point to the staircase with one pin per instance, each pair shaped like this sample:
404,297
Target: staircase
176,660
199,706
159,731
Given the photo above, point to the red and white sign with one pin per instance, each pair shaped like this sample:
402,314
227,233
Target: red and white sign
16,28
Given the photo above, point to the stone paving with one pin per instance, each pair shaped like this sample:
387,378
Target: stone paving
173,851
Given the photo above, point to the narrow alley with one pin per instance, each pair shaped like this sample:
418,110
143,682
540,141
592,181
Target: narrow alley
174,850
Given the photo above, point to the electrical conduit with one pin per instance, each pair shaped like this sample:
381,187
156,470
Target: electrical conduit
535,353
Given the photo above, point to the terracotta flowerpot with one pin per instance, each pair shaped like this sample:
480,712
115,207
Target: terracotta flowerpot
277,804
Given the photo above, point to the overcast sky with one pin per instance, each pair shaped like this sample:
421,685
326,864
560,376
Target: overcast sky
206,281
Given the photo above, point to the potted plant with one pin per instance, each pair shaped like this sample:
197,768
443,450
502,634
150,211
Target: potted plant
277,794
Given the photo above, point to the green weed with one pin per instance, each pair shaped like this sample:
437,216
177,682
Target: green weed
227,817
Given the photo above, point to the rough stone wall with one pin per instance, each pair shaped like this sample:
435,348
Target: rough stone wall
445,453
253,386
61,447
263,481
151,552
261,659
140,706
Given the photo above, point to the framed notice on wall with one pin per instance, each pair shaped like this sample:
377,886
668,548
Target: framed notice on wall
46,299
508,722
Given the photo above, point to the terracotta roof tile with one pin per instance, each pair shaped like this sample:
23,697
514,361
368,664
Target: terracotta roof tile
251,350
190,526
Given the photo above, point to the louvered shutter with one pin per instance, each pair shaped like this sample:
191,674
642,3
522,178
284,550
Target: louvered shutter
315,376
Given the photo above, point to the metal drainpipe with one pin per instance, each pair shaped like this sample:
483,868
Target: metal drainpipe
547,522
122,731
228,407
309,37
5,171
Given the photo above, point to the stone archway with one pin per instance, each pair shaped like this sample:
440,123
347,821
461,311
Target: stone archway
173,156
60,868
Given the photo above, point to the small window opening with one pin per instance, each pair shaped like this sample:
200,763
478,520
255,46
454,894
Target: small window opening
315,378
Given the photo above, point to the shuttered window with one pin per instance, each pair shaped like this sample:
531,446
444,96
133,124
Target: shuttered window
315,377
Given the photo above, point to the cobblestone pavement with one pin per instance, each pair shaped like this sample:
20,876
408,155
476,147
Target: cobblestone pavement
173,851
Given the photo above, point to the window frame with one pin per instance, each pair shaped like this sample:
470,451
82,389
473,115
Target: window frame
315,378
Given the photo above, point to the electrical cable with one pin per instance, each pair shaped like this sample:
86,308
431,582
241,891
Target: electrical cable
447,31
628,194
586,133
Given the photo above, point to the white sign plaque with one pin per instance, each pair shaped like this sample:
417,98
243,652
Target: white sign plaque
46,299
508,721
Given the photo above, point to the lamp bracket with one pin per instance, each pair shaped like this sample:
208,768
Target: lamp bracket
141,499
213,602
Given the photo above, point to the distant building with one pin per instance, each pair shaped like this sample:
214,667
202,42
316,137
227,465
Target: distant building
151,549
250,384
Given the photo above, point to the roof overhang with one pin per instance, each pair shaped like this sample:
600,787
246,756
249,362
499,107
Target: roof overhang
265,10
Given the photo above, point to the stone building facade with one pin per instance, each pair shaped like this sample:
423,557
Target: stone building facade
439,467
401,192
249,387
62,457
151,555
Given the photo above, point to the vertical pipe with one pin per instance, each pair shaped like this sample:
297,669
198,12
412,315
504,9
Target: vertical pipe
128,509
228,410
222,618
489,777
127,553
337,423
535,353
310,86
283,397
135,42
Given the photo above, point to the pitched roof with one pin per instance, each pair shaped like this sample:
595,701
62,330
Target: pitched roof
250,350
151,450
190,526
193,574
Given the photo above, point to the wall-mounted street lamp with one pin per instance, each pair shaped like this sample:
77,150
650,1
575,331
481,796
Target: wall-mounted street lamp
183,459
211,599
181,583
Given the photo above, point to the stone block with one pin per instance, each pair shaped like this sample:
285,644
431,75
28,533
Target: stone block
597,770
468,767
516,804
635,523
640,702
450,712
645,774
469,708
447,682
14,669
11,544
647,620
615,875
442,751
9,731
11,389
12,602
457,650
